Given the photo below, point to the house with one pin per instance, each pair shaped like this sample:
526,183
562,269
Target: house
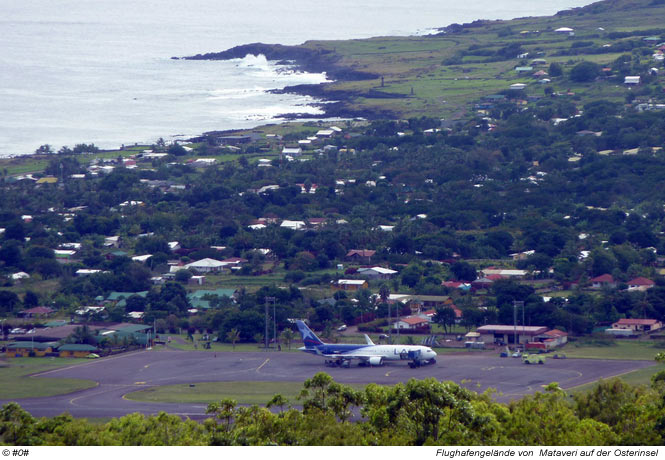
640,284
631,80
48,180
603,281
87,271
482,283
112,241
19,276
23,349
360,255
36,311
552,339
522,255
76,350
316,222
64,255
504,272
293,224
292,151
637,325
325,133
565,31
411,322
456,285
377,273
518,86
420,303
349,285
523,69
503,334
206,265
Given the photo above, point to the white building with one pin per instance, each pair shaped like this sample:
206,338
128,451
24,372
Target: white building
206,265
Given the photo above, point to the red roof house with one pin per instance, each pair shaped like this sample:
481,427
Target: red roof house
640,284
602,281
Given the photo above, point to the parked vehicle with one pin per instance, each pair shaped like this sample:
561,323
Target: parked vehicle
533,359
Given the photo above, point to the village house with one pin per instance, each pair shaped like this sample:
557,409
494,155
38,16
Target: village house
349,285
603,281
504,272
206,265
411,323
36,312
640,284
360,255
293,224
548,340
629,326
377,273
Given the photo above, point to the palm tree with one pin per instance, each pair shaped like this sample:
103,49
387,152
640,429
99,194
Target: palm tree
287,336
232,336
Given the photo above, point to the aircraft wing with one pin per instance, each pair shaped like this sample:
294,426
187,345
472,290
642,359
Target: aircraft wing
368,340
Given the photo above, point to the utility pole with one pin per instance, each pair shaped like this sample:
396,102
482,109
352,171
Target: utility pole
265,337
516,305
274,321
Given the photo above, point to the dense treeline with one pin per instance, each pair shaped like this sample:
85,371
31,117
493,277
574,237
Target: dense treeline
419,412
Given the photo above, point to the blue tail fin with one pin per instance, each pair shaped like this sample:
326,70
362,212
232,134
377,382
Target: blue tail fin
308,337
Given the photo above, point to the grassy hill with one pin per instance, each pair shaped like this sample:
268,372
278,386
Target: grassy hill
442,75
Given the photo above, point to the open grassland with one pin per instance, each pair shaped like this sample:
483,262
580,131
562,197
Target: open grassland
209,392
440,75
639,377
16,382
621,349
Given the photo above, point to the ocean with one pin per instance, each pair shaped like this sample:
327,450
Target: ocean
100,71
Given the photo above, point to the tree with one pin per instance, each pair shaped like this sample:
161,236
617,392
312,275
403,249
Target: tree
177,150
44,149
464,271
9,302
584,72
183,276
445,317
232,336
31,299
555,69
287,336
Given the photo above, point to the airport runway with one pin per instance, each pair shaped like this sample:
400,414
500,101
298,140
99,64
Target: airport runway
122,374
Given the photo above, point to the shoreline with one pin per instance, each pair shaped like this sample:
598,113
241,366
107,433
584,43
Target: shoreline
334,102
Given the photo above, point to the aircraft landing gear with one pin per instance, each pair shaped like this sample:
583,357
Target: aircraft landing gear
338,363
417,363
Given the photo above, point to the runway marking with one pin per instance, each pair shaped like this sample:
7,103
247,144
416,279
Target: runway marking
388,373
88,363
264,363
139,383
146,366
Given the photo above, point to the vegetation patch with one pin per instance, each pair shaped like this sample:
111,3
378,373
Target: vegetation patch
16,381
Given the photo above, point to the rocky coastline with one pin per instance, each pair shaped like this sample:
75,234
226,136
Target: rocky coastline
335,103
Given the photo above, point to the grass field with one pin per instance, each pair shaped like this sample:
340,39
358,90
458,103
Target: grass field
208,392
639,377
16,382
620,350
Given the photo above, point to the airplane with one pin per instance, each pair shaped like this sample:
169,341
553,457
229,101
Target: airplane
368,353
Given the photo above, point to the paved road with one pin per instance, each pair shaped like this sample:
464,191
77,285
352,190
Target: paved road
122,374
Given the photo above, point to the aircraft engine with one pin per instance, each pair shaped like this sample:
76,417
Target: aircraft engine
376,361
